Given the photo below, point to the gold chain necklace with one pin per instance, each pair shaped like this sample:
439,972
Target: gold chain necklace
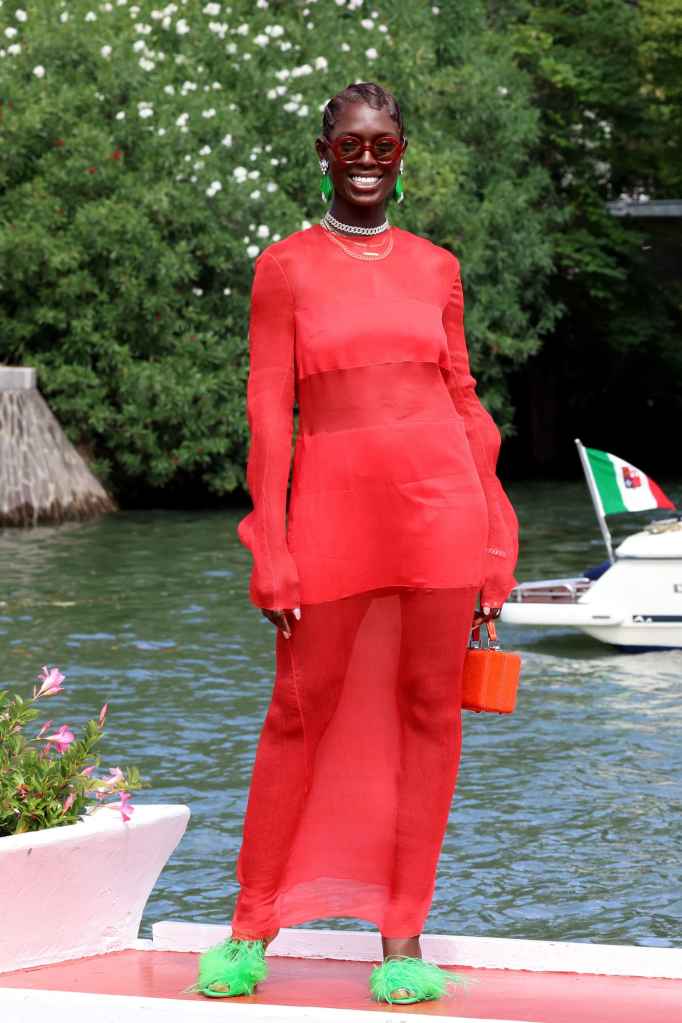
367,256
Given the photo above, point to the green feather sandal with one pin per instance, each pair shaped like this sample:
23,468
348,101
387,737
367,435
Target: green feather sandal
231,968
424,981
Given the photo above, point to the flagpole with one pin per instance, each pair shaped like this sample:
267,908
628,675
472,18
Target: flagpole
596,499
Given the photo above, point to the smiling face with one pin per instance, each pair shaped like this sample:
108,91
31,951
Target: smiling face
365,182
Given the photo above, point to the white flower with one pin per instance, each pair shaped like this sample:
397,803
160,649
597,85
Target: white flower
435,10
271,187
20,15
198,165
285,45
275,31
242,30
64,16
205,151
383,28
502,90
263,4
138,45
305,224
143,30
146,112
208,113
227,141
304,69
39,71
261,39
254,175
240,173
230,47
147,65
321,63
227,291
283,74
14,49
91,16
367,23
255,194
345,47
280,89
371,54
263,231
181,27
182,120
214,187
276,237
161,131
291,107
198,291
213,10
105,51
252,251
271,94
303,110
10,32
169,90
120,116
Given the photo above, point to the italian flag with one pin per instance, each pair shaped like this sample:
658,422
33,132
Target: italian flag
623,487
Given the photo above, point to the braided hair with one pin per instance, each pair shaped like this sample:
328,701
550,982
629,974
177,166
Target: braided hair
361,92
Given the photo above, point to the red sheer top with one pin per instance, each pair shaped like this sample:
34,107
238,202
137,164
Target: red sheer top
394,479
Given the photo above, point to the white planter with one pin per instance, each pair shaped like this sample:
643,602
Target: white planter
81,889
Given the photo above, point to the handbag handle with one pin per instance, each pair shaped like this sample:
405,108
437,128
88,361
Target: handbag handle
493,642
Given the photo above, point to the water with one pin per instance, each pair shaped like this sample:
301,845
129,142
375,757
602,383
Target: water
565,824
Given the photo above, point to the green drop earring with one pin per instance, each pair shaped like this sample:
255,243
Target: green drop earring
399,188
326,186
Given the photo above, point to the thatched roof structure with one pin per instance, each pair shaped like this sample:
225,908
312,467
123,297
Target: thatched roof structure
43,479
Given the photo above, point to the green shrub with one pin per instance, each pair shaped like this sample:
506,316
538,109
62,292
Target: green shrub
148,152
47,781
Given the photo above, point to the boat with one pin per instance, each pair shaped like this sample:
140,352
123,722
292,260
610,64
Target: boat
322,976
633,600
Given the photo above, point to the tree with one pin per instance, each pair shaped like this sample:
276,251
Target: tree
148,154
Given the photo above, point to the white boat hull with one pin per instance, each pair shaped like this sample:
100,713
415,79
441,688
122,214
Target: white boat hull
636,604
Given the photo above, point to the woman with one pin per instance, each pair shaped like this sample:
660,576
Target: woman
396,522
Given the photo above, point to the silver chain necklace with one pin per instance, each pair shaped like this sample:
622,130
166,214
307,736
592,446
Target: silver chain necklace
353,228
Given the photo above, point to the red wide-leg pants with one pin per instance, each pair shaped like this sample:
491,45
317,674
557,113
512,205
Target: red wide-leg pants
357,763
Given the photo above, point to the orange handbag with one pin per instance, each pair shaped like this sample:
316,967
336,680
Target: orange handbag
491,676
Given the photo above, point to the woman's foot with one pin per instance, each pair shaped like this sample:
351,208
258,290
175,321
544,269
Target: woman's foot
232,968
401,947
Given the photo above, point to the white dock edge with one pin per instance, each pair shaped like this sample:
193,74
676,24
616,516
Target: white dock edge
444,949
20,1005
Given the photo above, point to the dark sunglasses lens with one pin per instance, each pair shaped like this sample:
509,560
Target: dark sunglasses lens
349,149
386,150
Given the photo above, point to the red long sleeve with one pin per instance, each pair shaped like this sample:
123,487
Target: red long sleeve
484,440
274,580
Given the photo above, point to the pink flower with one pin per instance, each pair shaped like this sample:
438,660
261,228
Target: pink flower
62,738
44,728
87,771
68,802
124,805
52,679
103,714
104,786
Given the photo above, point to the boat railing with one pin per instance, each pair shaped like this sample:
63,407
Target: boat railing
550,591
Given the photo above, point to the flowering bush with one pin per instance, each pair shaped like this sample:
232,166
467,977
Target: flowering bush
151,150
48,780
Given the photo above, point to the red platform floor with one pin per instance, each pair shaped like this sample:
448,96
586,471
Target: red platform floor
497,994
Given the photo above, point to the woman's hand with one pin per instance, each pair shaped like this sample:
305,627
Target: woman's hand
485,614
279,618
